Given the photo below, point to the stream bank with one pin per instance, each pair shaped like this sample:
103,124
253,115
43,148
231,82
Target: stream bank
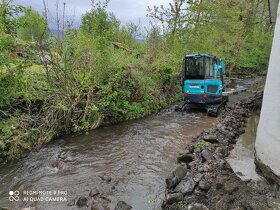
124,162
203,179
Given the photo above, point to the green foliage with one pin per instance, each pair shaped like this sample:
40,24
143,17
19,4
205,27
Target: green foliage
8,17
33,27
238,31
200,144
252,57
100,24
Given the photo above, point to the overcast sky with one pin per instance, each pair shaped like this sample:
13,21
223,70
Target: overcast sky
125,10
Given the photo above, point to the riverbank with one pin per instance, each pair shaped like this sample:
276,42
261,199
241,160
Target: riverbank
204,177
40,112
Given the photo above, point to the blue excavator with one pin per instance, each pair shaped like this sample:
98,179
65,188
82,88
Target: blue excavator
203,83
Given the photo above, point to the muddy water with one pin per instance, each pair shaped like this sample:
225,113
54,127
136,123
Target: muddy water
241,157
136,155
241,160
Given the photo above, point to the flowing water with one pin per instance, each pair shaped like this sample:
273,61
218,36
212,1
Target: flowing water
135,155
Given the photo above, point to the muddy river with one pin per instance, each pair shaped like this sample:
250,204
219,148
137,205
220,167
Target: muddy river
126,162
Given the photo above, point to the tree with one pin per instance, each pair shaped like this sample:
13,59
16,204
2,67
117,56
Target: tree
33,26
8,17
8,24
99,23
172,17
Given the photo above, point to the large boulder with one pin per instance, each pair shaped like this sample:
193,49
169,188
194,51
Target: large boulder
186,186
82,201
176,176
174,198
185,158
204,185
207,155
210,138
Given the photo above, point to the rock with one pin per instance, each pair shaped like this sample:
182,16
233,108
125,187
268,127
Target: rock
203,168
210,138
186,186
232,141
218,155
226,142
219,150
204,185
121,205
171,182
190,199
197,206
185,158
176,176
207,155
197,150
59,164
71,202
223,131
199,194
190,149
94,192
82,201
241,130
221,163
245,205
219,186
193,163
197,177
180,171
174,198
196,156
230,135
219,125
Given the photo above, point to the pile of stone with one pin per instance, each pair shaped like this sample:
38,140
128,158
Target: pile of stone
203,179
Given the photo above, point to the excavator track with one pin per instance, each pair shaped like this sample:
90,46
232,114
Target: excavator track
213,110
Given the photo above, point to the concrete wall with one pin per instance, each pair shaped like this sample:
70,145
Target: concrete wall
268,134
